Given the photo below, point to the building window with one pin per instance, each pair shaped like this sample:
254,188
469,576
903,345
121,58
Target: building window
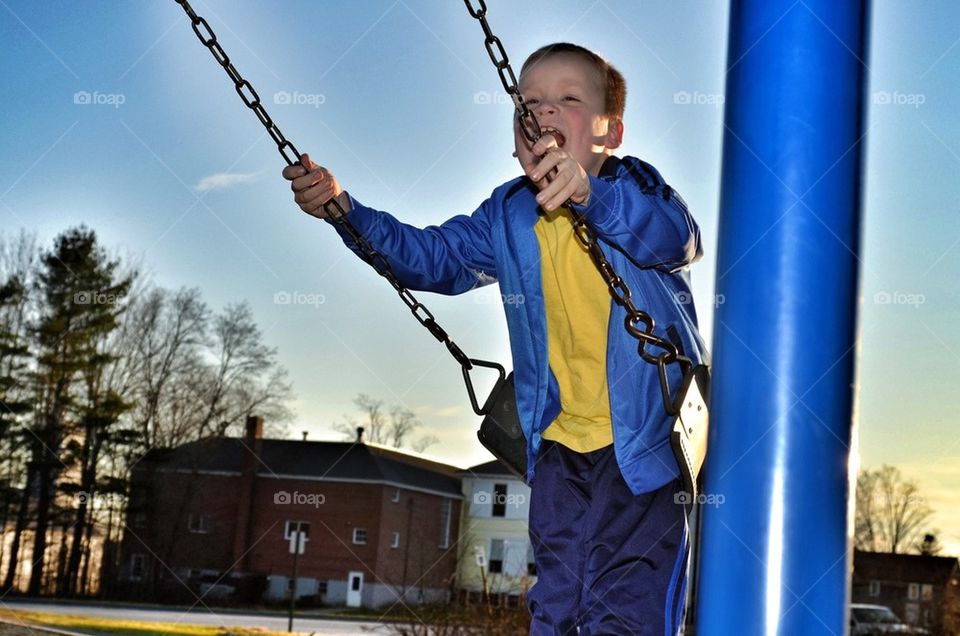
360,536
137,565
874,588
926,592
446,514
499,500
198,524
495,564
396,495
138,520
531,562
913,591
290,527
927,618
394,540
911,613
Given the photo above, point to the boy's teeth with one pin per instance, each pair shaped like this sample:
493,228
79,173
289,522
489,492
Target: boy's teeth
556,135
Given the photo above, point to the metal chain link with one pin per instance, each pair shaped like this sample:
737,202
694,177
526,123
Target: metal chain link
336,212
531,130
617,286
498,55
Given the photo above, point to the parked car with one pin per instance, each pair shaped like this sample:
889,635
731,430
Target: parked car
866,620
216,588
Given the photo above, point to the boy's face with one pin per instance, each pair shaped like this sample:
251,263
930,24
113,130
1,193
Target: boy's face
566,94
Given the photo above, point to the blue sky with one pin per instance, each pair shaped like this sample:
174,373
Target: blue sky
401,101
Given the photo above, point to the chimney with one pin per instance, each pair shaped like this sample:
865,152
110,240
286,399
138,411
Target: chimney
304,433
254,427
247,492
359,435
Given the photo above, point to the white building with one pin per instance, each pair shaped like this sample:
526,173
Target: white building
495,542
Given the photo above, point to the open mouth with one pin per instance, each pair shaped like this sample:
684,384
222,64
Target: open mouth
550,130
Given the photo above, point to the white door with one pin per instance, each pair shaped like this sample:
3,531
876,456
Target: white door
354,588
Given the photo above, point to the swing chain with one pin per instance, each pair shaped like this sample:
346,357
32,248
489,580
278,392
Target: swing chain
498,55
621,294
585,234
244,88
531,130
335,211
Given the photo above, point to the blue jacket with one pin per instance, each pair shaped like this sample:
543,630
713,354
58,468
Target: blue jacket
648,236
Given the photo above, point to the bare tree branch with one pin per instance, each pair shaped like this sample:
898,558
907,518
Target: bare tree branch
891,514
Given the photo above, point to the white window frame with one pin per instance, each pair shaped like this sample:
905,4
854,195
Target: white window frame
446,521
495,501
304,526
926,592
198,523
356,538
911,613
913,591
395,539
396,496
874,589
503,556
134,559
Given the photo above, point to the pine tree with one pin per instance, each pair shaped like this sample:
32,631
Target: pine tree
81,301
14,381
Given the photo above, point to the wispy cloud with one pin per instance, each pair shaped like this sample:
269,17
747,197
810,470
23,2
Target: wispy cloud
224,180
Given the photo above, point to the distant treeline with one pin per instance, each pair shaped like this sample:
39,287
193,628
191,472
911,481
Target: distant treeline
97,367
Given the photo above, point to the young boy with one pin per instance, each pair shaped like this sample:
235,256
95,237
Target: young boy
606,522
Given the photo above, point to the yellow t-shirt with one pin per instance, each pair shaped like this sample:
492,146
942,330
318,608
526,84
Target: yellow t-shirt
577,309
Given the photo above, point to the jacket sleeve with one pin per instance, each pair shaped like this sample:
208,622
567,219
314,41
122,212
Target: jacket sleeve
451,258
641,215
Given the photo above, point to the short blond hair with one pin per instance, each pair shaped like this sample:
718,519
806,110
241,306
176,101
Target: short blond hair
612,83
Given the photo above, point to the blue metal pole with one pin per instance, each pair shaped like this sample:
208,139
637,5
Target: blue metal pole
774,549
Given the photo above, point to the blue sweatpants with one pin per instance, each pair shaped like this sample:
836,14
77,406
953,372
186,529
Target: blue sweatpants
608,562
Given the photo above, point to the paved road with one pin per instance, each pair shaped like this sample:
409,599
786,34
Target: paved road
201,616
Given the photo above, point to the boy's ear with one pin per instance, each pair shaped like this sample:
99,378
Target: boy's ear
614,133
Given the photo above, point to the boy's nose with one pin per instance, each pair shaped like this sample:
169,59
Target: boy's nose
545,108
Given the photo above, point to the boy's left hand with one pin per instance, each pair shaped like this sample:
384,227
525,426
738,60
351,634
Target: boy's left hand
555,172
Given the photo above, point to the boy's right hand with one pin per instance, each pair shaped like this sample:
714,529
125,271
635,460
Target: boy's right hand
314,188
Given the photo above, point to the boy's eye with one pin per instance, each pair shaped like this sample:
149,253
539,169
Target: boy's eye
570,98
532,101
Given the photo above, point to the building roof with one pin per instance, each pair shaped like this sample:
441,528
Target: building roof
294,459
912,568
488,469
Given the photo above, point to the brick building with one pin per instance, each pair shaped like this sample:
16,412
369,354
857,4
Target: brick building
216,516
921,590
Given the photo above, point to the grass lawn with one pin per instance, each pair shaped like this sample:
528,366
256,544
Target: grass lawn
114,627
